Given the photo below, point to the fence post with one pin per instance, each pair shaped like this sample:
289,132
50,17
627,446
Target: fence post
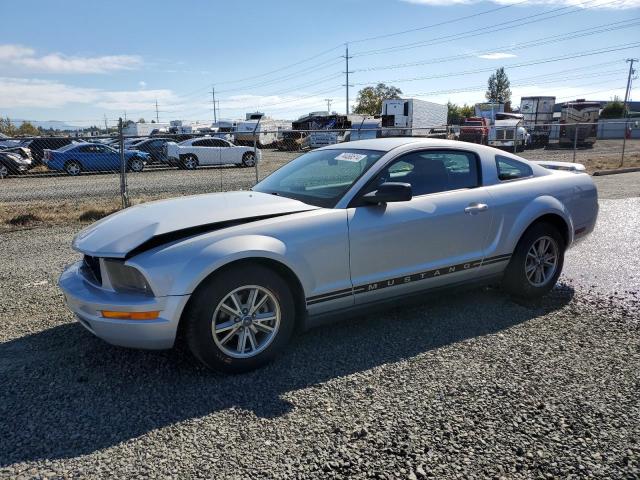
123,168
515,139
255,158
624,141
575,142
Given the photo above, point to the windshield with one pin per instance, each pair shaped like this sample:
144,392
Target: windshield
472,124
320,177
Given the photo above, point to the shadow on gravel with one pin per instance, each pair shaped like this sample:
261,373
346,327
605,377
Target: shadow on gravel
65,393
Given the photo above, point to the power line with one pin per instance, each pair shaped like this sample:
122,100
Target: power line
439,24
614,48
526,20
512,47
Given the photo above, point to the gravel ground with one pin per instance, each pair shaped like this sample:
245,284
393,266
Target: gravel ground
466,386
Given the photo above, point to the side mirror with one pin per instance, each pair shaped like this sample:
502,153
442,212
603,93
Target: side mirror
389,192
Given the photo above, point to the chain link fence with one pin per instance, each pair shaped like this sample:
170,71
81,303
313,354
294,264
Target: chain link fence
80,174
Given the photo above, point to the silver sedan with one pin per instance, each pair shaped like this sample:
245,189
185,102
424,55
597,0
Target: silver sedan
337,230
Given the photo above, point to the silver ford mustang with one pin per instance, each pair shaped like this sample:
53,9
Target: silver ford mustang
338,229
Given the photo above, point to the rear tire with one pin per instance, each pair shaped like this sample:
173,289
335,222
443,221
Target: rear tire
249,159
73,168
215,334
536,262
189,162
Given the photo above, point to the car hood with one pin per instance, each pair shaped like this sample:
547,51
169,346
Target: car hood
138,228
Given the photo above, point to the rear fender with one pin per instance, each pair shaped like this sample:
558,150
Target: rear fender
538,207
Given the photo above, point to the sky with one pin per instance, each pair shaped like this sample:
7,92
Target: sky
86,62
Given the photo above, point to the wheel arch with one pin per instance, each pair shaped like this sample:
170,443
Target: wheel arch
542,208
276,266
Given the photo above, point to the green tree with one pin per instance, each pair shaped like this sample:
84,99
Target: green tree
7,127
613,109
141,120
369,100
467,111
455,113
28,129
498,90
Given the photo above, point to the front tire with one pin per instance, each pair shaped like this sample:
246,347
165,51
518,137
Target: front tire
536,263
240,319
249,159
136,164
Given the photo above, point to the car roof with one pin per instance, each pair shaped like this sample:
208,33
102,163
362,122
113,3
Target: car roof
388,144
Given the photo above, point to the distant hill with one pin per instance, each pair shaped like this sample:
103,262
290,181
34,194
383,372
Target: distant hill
55,124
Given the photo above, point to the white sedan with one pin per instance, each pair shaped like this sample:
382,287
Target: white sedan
209,151
343,228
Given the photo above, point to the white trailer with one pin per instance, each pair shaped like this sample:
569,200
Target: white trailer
411,117
264,131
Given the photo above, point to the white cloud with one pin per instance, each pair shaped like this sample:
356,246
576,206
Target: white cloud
25,57
619,5
9,52
497,55
23,92
142,84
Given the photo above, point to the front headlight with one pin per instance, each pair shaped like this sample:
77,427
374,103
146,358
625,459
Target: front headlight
126,279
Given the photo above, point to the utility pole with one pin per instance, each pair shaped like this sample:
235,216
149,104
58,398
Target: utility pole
329,101
347,72
106,127
213,98
625,111
157,116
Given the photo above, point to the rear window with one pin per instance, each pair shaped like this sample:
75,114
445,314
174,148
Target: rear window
510,169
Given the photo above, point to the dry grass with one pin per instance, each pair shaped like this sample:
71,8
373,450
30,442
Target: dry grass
18,215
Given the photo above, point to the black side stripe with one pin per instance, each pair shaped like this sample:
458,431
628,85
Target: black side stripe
394,282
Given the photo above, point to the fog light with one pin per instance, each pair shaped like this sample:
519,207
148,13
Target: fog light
130,315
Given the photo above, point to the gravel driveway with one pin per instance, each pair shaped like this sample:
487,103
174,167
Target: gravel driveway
472,385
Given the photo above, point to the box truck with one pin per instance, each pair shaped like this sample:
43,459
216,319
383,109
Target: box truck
406,117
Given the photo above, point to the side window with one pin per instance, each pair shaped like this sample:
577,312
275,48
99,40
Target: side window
219,143
201,143
434,171
86,149
510,169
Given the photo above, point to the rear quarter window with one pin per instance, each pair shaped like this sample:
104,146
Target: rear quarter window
510,169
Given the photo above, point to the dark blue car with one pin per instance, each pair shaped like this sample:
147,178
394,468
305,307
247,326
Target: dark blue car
92,157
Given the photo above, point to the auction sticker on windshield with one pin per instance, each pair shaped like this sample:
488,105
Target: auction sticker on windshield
351,157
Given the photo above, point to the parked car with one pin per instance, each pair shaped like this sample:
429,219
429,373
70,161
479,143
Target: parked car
209,151
338,229
154,147
83,157
40,144
24,152
12,163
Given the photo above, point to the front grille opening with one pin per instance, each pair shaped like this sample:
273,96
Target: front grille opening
91,269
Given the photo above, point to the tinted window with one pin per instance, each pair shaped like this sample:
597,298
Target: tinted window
204,143
433,171
219,143
510,169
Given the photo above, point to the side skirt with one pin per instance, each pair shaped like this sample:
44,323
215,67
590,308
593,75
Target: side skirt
417,298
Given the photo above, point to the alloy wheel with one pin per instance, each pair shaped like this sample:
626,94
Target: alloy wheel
73,168
542,261
246,321
4,171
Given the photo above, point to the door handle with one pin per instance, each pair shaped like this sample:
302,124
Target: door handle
474,208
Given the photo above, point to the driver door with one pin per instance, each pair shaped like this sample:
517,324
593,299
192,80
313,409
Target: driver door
438,237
